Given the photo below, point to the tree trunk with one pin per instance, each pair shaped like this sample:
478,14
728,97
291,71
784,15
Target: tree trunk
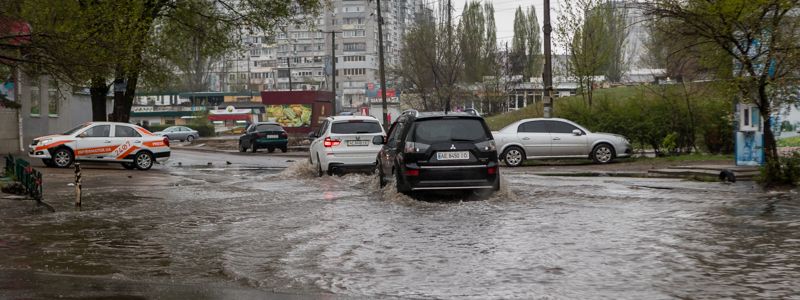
99,92
770,144
122,109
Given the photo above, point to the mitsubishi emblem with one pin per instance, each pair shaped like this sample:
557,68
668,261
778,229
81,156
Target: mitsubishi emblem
358,138
452,147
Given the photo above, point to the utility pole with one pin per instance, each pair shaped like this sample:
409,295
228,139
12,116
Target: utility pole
449,57
333,69
333,72
289,66
547,77
384,106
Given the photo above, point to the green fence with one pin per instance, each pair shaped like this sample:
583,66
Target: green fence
22,171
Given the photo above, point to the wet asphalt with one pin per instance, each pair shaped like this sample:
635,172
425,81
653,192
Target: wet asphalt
263,227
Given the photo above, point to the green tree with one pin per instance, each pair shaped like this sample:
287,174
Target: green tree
472,31
534,57
760,37
594,34
519,43
97,40
490,43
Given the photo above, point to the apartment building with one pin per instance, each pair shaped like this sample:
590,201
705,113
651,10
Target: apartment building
299,56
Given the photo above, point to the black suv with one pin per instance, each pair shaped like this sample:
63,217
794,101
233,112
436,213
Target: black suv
438,151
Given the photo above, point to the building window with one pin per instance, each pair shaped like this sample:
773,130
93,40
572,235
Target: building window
53,99
354,33
355,46
36,97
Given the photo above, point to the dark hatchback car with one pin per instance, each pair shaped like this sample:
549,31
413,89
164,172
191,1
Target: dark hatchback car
262,135
438,151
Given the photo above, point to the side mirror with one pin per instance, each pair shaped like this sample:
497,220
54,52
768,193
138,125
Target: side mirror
83,135
378,140
577,132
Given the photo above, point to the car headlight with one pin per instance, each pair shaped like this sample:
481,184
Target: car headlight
45,141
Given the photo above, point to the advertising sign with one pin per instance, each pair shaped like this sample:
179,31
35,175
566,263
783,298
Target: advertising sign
374,91
290,115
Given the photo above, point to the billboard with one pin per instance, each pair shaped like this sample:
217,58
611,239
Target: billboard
290,115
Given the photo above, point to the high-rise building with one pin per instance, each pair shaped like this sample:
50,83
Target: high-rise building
301,53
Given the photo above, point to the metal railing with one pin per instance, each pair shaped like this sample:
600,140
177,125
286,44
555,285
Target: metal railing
22,172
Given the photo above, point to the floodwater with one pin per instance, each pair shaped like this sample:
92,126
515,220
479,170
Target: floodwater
541,237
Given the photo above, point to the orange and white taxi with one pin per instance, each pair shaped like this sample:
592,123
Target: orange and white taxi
131,145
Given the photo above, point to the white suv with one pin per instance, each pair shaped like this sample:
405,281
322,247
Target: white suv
345,143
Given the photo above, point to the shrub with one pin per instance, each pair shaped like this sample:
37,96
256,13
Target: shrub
783,171
697,115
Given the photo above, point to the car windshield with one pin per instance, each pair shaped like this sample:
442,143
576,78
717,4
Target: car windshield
352,127
268,127
74,130
446,130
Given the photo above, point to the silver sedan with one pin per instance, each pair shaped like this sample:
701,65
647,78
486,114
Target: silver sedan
557,138
181,133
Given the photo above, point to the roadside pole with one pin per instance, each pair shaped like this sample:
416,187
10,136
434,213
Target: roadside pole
547,77
384,106
77,185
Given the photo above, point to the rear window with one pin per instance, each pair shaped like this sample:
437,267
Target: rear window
446,130
356,127
268,127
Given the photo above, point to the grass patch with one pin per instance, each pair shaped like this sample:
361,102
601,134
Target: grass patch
789,142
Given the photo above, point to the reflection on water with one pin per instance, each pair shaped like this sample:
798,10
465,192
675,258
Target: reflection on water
540,237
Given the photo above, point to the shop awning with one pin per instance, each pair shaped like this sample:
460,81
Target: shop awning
229,117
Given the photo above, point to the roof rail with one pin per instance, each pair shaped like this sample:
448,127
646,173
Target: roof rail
412,112
472,111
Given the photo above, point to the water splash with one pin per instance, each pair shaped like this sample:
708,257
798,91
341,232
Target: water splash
299,170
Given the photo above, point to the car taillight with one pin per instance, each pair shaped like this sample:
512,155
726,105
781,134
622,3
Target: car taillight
412,172
284,135
412,147
166,141
328,142
491,170
260,135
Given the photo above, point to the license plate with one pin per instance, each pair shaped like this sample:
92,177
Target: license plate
357,143
454,155
272,136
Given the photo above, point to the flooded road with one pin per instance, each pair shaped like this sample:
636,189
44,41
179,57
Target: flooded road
253,226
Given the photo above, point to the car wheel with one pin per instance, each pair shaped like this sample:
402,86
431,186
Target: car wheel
48,162
602,154
319,167
284,149
513,156
381,176
129,166
402,187
190,138
253,148
63,158
242,148
143,160
271,149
